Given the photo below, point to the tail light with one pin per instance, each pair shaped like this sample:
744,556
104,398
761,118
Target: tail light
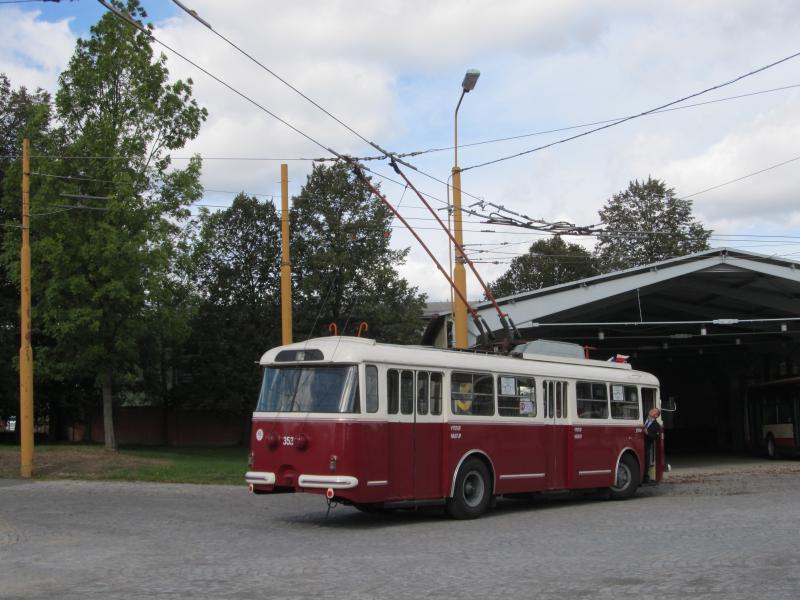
301,441
272,441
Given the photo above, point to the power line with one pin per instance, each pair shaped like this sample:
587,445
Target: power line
583,125
714,187
626,119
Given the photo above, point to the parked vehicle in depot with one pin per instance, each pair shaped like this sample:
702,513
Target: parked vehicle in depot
773,408
381,426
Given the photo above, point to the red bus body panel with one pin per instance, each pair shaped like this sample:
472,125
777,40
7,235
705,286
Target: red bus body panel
395,461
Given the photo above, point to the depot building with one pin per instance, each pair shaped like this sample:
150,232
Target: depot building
712,326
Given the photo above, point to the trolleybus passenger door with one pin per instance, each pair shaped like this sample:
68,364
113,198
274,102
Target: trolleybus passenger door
428,431
595,440
648,403
556,418
400,391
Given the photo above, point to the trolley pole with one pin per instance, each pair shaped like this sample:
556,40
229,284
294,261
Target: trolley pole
25,350
286,263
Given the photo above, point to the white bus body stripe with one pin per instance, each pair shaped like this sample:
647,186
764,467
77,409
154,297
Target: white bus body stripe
597,472
377,483
523,476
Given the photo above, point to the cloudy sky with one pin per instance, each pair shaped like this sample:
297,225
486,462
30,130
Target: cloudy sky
392,71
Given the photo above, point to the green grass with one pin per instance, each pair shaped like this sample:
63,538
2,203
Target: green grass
187,465
160,464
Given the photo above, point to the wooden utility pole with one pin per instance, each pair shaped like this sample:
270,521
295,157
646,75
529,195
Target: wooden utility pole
286,263
25,349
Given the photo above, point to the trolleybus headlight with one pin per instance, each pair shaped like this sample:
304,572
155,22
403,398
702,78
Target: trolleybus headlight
272,441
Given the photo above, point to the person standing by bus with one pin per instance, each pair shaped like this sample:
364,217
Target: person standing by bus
652,431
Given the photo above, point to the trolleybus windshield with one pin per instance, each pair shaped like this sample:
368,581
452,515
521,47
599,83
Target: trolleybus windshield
309,389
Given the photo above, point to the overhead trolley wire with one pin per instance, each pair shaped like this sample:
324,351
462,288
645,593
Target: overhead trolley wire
636,116
385,153
194,15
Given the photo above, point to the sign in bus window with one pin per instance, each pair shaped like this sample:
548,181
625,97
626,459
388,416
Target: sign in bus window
436,393
624,401
592,400
516,396
407,392
472,394
371,373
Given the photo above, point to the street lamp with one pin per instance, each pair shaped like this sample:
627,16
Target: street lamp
459,273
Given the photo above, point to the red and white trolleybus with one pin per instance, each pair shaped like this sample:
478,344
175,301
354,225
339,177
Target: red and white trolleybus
381,426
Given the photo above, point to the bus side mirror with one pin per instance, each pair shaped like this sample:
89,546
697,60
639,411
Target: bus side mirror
670,405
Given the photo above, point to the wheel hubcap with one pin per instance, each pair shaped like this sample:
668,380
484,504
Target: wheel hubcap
473,489
623,477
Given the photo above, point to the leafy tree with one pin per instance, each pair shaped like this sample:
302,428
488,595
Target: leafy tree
548,262
101,262
647,223
22,114
345,271
235,266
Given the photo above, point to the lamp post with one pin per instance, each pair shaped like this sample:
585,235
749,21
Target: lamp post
459,272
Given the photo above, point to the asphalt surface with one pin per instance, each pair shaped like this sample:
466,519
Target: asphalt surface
725,533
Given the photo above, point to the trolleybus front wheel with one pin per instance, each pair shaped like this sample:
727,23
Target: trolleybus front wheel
627,479
473,491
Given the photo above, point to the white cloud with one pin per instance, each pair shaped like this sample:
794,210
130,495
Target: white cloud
392,71
33,52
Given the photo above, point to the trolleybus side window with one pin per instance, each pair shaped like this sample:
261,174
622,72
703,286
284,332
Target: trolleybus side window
407,392
436,393
423,385
472,393
624,401
592,400
516,396
371,372
393,391
549,392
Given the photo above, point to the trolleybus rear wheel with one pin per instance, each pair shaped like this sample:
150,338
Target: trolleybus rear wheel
627,479
473,491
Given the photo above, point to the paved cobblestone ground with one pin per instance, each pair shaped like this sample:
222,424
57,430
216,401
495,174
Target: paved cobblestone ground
703,534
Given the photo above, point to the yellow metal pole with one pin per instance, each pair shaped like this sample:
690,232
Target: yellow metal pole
286,263
25,350
459,274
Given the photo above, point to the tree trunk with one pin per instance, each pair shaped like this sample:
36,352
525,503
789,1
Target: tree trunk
108,414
